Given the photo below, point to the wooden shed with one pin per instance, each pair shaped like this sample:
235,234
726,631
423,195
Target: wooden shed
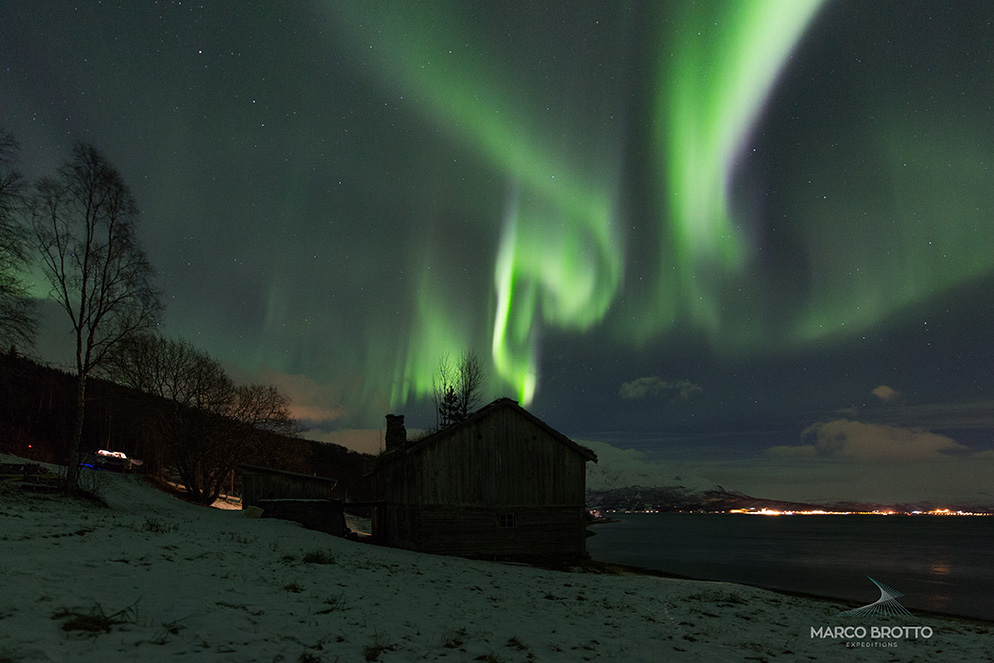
266,483
302,498
499,484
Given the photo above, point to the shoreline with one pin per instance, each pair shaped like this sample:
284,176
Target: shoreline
935,562
660,573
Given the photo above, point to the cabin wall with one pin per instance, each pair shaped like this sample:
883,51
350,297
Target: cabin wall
257,486
504,459
499,486
505,532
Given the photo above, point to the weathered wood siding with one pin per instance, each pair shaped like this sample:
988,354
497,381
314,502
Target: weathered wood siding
474,531
260,485
457,492
503,459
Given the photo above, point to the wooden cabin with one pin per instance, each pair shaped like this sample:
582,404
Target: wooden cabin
500,484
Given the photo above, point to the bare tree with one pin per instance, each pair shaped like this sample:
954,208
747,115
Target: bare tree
210,424
18,321
174,370
470,383
254,412
83,223
197,392
442,392
456,388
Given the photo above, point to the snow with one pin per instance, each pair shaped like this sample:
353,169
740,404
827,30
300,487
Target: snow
182,582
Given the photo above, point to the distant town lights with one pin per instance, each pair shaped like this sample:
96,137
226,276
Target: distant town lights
815,512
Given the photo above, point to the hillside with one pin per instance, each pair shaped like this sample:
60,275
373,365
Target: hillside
36,416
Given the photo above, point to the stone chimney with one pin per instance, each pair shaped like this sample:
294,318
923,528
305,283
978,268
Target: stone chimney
396,433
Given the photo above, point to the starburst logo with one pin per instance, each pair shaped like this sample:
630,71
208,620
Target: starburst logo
885,606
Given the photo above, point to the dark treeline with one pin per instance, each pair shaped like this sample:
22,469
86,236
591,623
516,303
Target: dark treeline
37,411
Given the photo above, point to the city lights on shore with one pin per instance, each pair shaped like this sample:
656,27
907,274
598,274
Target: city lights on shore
875,512
814,512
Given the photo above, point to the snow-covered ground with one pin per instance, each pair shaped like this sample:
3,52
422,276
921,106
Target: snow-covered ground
152,578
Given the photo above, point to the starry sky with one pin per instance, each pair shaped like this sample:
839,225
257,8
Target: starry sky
749,241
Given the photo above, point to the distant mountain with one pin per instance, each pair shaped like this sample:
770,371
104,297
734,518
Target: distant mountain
683,498
607,476
625,479
653,487
717,498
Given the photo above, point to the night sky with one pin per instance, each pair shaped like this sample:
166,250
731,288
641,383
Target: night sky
752,242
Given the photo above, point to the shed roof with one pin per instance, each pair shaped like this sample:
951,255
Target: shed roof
484,412
269,470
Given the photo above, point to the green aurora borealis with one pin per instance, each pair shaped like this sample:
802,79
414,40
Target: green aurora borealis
560,260
756,213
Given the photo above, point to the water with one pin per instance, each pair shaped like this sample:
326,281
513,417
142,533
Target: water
941,564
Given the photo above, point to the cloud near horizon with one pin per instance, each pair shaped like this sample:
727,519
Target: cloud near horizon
363,440
843,438
887,394
656,386
312,403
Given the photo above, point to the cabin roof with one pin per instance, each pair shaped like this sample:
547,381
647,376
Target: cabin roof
484,412
255,469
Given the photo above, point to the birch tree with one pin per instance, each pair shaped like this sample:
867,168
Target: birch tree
18,322
84,223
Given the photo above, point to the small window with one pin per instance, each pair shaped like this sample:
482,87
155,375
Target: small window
505,520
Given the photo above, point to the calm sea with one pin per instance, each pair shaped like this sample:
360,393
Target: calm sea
941,564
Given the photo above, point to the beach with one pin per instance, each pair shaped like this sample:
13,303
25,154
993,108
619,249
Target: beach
150,577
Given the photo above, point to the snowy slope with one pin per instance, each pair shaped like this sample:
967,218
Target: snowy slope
172,581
